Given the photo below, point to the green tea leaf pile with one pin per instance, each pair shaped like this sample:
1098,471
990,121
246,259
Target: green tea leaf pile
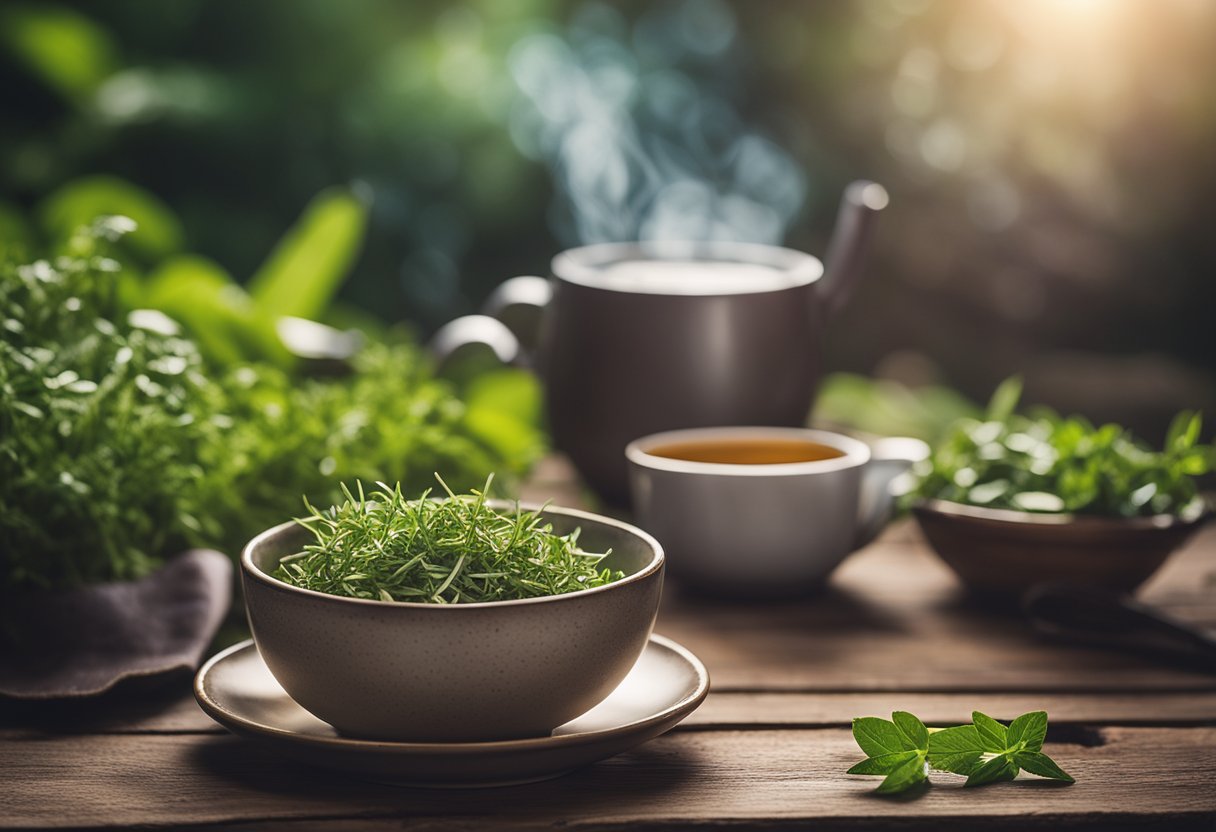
384,547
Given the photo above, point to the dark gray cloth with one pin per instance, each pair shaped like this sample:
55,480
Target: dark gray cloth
82,642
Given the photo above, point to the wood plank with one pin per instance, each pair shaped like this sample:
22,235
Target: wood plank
810,710
176,714
689,778
894,618
723,710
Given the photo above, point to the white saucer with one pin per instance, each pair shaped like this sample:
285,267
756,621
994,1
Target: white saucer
668,682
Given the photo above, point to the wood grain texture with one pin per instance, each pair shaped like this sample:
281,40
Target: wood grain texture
685,778
767,750
894,619
816,710
722,710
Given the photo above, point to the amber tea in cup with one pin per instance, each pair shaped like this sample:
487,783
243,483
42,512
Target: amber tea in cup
747,451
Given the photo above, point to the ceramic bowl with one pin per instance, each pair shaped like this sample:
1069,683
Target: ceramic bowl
1003,553
460,672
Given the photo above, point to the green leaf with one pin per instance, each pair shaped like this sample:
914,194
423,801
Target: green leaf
16,235
64,48
995,770
993,735
906,775
1030,729
1005,399
957,750
912,728
879,736
1036,762
509,391
883,764
78,203
1184,431
308,265
218,314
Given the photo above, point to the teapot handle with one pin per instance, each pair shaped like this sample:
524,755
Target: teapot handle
508,326
846,255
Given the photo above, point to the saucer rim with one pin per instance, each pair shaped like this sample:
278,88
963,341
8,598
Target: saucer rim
242,725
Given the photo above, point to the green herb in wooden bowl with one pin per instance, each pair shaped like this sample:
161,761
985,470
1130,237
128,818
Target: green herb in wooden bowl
1012,501
458,550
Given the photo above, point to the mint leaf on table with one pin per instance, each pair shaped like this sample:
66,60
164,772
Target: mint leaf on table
993,734
883,764
1036,762
906,775
896,748
997,769
880,736
1029,729
986,751
914,731
957,750
1013,749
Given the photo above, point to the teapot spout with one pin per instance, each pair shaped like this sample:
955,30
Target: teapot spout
859,207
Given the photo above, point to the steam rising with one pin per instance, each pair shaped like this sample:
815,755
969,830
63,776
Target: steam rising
641,145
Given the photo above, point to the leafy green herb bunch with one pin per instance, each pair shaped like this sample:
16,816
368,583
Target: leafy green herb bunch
121,444
1043,462
103,418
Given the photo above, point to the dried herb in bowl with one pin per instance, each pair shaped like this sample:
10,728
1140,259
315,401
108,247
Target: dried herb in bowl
1051,464
455,551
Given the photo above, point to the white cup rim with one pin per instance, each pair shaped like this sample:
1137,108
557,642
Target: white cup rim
855,452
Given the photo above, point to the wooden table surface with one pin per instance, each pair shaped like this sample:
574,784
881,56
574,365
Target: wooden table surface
767,749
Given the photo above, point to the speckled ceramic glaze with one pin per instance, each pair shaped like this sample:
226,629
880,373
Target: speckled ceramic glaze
448,673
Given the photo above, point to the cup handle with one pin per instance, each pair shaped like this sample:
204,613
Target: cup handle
889,458
508,326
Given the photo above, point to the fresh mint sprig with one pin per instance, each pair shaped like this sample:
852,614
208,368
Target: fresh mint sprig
896,748
902,750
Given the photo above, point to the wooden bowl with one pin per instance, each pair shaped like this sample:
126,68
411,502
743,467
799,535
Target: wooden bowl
1002,552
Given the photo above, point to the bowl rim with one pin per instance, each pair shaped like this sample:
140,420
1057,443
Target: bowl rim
1200,513
657,561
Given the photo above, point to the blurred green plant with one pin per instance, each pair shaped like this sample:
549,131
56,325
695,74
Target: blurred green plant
121,442
389,421
1047,463
304,271
70,52
158,232
888,408
232,324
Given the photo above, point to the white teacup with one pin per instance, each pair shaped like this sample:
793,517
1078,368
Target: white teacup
763,529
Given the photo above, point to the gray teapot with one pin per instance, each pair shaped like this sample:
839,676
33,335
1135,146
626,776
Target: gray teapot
631,339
